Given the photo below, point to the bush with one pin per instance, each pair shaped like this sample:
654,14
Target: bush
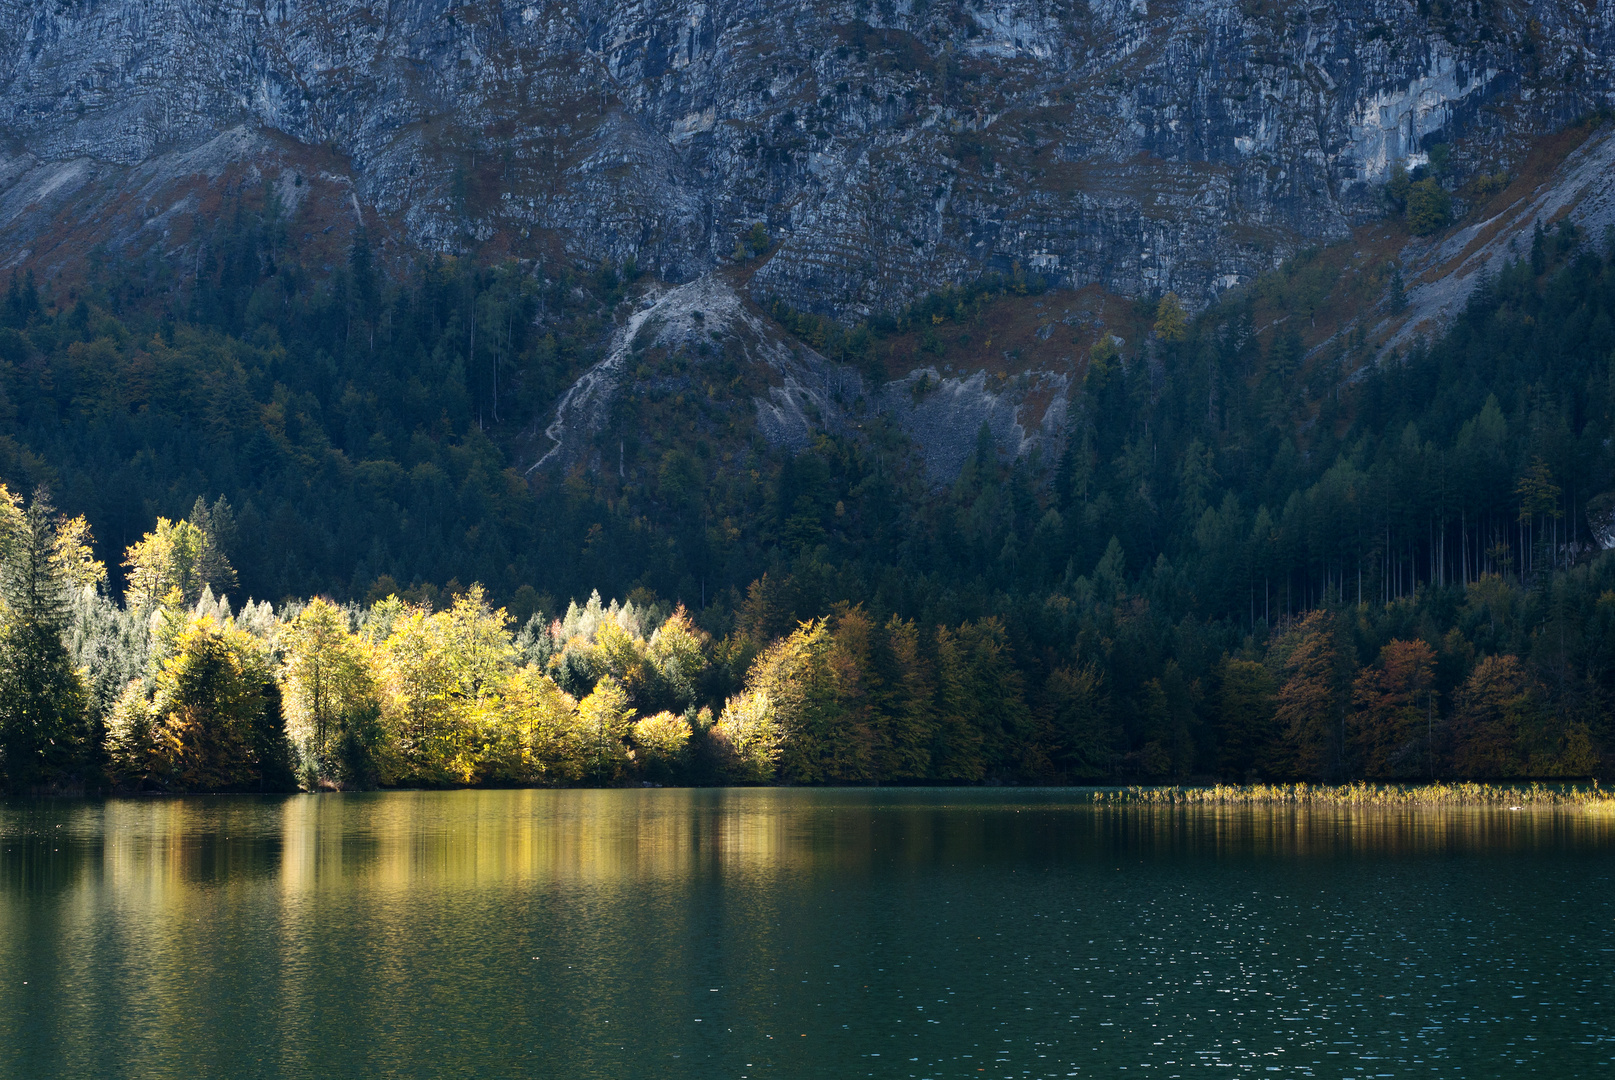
1429,207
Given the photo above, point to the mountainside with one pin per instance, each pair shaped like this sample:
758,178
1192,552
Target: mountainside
1256,553
1002,392
888,149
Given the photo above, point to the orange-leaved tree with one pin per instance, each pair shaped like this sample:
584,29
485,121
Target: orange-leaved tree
1393,710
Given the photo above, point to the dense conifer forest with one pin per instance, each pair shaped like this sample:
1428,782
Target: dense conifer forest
269,529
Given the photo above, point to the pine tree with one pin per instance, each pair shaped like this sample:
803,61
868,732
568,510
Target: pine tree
217,525
1246,727
906,720
677,651
1493,717
956,753
995,688
857,688
44,560
1084,742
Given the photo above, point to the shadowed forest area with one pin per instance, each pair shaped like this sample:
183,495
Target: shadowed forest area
1250,561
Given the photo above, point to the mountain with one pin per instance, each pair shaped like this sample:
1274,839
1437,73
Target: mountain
889,149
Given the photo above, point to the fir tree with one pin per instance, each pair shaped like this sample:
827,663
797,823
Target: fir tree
45,561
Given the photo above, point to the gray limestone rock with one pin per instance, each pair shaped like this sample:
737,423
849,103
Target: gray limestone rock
888,146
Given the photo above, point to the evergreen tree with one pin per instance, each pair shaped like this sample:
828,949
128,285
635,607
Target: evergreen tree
994,689
1247,730
956,753
906,724
677,652
1082,734
218,528
45,562
858,690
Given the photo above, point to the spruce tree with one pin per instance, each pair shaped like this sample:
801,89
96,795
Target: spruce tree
43,728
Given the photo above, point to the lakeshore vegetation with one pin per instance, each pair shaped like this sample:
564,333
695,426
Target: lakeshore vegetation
174,690
1253,560
1591,798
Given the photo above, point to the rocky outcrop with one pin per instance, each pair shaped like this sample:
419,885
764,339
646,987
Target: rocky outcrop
888,146
795,392
801,392
1441,273
944,416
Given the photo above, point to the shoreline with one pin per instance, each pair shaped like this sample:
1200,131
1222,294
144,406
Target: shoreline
1590,797
1437,794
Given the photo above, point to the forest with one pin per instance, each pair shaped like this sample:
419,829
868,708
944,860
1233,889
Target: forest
1253,560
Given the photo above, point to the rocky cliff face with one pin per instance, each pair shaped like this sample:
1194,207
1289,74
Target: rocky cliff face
888,146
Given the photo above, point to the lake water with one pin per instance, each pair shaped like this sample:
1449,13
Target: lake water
796,933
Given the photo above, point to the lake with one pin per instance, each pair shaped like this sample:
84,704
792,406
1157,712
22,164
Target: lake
798,933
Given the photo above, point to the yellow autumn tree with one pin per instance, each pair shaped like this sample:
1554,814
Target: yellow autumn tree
1494,715
213,721
605,718
332,700
172,564
1171,320
537,737
418,705
661,744
747,738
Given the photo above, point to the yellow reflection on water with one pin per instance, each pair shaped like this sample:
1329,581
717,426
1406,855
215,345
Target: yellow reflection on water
143,852
1300,831
470,839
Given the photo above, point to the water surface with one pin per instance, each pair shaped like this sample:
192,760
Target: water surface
793,933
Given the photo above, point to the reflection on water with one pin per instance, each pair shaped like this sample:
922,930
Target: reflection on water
797,933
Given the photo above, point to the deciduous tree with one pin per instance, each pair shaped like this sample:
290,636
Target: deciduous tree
332,699
1392,716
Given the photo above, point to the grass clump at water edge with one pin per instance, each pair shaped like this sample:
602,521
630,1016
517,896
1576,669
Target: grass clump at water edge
1592,799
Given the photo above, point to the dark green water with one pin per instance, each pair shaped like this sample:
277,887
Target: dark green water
788,933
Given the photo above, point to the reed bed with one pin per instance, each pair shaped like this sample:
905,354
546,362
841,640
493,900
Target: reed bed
1591,798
